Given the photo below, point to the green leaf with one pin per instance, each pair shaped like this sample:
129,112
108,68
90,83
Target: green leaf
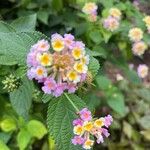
96,36
43,16
103,82
4,60
116,102
36,129
93,66
46,98
146,134
59,119
25,24
57,5
23,138
144,93
4,27
21,98
107,3
3,146
8,125
106,35
16,45
132,76
145,122
5,136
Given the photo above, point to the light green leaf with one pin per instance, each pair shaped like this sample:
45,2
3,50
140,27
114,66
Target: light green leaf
25,24
59,119
23,138
93,66
145,122
21,98
103,82
3,146
36,129
116,102
8,125
146,134
96,36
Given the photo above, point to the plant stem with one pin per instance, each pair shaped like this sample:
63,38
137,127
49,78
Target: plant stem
75,107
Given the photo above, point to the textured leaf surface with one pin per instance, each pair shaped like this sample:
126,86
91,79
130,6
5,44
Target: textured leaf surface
23,24
94,66
4,27
22,97
60,116
16,45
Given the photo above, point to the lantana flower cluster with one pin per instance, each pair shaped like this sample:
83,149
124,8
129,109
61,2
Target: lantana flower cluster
86,128
59,67
112,22
147,22
142,70
90,9
138,46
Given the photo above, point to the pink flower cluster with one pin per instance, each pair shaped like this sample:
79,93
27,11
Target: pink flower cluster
85,126
90,9
112,22
59,67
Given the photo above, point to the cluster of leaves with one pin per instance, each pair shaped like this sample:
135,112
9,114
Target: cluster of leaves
23,111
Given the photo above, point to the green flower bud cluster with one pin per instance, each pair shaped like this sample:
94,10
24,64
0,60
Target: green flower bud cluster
11,83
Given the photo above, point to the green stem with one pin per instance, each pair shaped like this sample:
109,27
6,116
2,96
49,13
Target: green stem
75,107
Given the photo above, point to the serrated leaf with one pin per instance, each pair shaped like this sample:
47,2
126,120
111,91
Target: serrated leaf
24,24
46,98
4,27
59,119
23,139
21,98
16,45
93,66
36,129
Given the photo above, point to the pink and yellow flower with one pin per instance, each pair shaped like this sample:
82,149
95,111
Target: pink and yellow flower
58,68
139,48
115,12
135,34
90,8
111,23
142,70
86,126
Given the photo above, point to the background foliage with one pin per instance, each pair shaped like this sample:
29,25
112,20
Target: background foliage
23,112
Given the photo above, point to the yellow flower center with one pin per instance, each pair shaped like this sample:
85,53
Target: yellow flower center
58,45
46,59
40,72
88,126
99,123
77,53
